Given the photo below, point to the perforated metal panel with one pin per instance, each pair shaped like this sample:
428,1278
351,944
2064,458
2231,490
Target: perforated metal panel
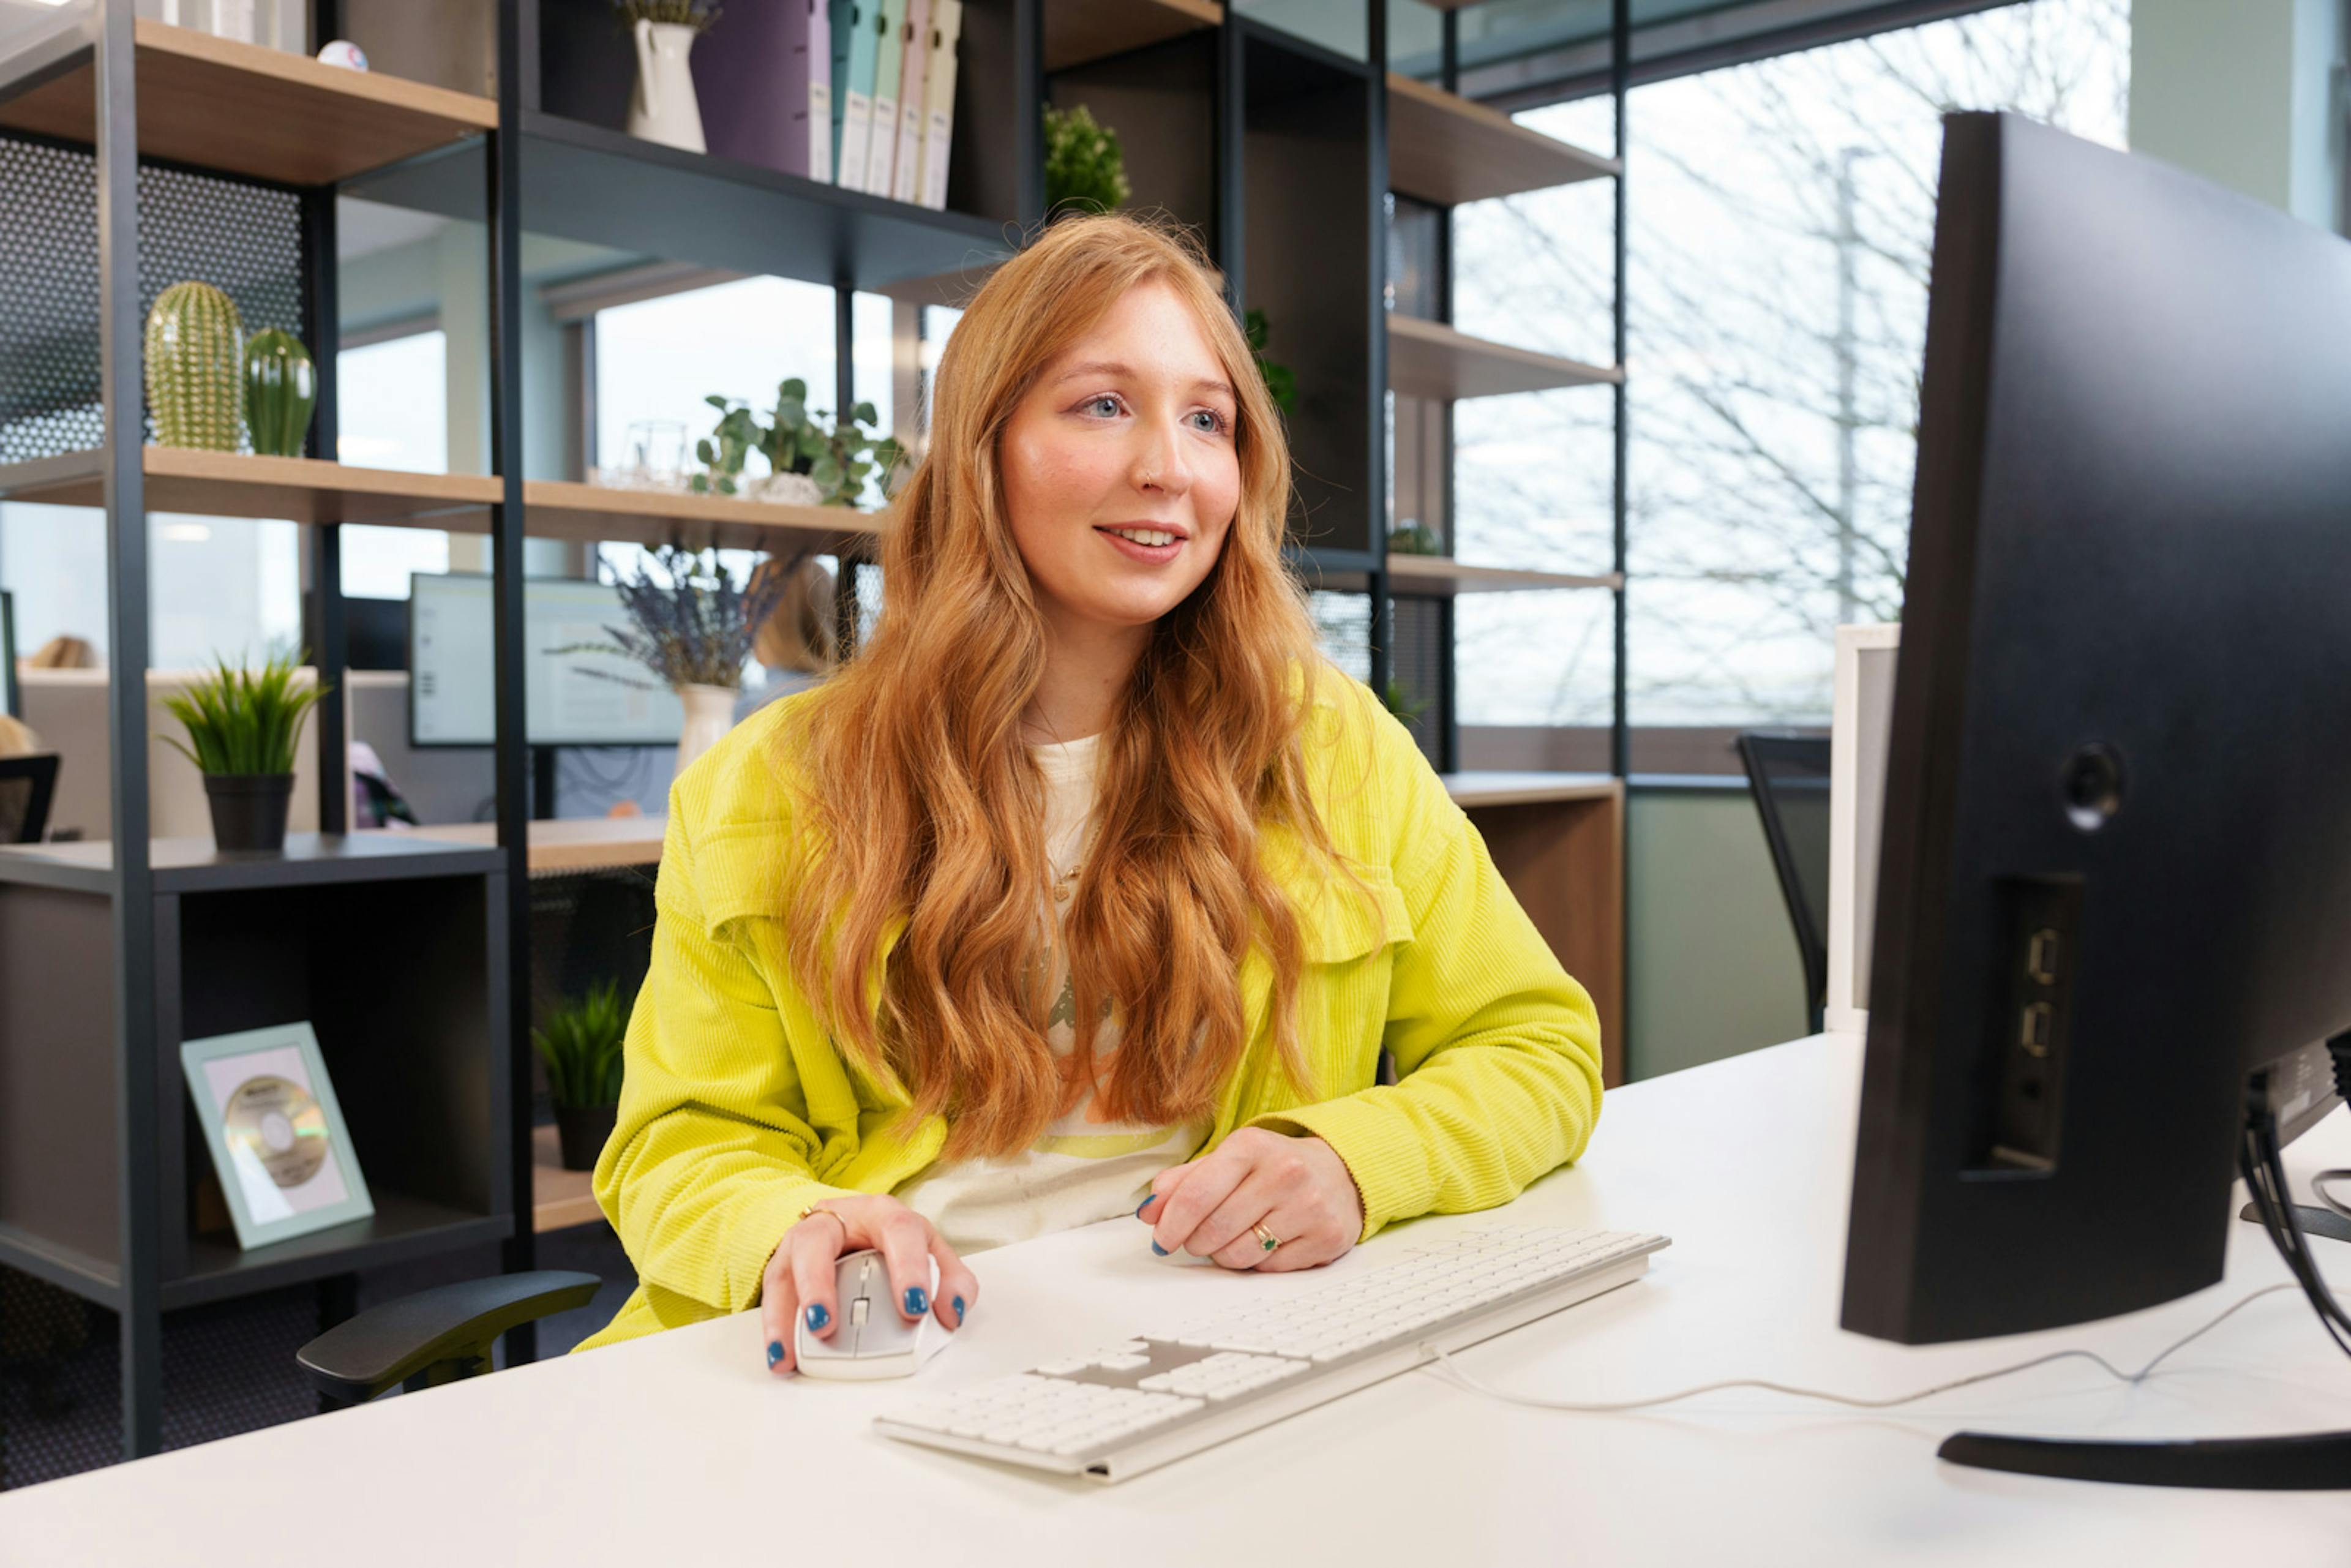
243,238
1416,665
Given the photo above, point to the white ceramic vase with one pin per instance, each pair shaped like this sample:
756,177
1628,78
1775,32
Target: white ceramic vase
709,715
663,107
784,489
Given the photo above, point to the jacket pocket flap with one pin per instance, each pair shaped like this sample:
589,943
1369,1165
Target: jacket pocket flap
1337,923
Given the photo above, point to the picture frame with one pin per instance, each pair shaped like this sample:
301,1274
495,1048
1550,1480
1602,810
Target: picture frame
276,1131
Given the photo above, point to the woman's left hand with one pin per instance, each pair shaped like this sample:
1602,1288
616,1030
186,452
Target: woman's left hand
1298,1188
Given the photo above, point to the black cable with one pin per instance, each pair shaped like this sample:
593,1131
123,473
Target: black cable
2261,1162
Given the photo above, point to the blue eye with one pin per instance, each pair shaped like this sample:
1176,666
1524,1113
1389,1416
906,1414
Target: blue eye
1105,398
1217,422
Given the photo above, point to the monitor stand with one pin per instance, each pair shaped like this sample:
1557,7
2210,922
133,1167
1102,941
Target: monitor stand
2303,1461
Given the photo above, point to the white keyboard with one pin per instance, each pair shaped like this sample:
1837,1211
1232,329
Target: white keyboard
1123,1408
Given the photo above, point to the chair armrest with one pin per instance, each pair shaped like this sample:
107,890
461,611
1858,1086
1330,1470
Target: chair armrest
436,1335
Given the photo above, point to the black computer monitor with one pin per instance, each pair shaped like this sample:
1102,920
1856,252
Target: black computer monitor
2113,904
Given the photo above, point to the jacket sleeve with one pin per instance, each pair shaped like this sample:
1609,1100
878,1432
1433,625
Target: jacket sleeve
1497,1049
711,1156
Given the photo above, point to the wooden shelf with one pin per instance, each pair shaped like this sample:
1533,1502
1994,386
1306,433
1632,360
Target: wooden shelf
1442,148
403,1229
247,109
1430,358
1441,576
559,1199
562,509
193,865
1077,31
567,844
239,484
1497,788
311,490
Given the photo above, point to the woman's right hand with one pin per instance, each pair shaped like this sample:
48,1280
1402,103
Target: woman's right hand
801,1277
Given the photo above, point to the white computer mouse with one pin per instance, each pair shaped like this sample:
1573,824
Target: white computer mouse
871,1339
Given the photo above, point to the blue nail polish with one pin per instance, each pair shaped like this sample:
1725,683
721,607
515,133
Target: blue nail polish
918,1300
775,1351
1146,1203
958,1307
817,1316
1157,1249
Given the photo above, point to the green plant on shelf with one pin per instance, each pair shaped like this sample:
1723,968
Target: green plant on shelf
839,462
581,1045
244,721
1410,538
1402,703
1085,170
1280,380
695,14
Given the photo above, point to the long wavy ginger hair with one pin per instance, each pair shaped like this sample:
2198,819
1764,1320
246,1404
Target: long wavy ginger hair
920,798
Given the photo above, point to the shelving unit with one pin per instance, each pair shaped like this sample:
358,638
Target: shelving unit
294,121
1431,359
1447,150
1280,152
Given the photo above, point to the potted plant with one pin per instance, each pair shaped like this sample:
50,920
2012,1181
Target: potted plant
1281,380
1085,168
692,627
807,464
581,1045
242,729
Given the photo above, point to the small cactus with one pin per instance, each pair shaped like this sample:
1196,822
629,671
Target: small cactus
195,342
281,388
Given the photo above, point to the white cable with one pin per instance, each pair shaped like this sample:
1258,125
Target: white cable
2318,1184
1453,1368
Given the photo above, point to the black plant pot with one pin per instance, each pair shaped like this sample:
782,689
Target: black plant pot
249,808
582,1130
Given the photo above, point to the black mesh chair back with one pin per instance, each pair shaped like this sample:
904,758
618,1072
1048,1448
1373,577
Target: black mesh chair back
27,786
1790,775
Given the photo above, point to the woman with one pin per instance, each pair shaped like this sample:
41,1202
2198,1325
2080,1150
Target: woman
796,644
1086,881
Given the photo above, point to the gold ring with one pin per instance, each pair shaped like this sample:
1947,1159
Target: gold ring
1266,1240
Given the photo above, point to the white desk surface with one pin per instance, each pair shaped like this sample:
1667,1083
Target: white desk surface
680,1448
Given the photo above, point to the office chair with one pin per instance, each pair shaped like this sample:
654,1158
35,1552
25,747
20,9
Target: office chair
28,784
1790,775
434,1336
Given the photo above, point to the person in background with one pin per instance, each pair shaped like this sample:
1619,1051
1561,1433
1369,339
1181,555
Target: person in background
63,653
798,647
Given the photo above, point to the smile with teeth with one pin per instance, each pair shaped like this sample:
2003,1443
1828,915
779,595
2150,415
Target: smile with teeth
1145,536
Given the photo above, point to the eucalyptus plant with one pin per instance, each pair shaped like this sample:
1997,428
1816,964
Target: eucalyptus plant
840,461
245,722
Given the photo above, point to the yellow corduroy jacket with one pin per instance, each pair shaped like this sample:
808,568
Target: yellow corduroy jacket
738,1108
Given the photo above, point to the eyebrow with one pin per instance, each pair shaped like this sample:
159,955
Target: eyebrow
1113,368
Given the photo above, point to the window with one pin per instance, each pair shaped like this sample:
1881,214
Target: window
1781,221
392,412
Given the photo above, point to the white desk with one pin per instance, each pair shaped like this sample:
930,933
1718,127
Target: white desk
681,1448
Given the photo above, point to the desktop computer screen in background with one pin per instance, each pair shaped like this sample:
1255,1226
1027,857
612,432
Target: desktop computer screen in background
574,698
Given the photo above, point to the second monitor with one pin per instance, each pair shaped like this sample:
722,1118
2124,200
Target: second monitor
573,695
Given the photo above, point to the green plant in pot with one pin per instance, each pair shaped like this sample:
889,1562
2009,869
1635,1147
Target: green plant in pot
831,465
1281,380
581,1045
242,726
1085,168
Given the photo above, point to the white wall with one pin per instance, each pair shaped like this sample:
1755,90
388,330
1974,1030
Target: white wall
2240,91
